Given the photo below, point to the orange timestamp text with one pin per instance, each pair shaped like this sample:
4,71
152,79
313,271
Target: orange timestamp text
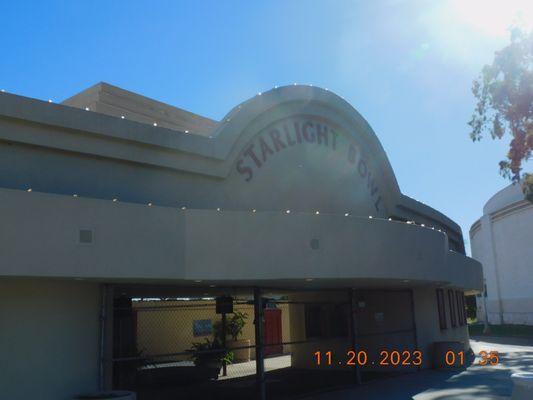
360,358
396,358
485,358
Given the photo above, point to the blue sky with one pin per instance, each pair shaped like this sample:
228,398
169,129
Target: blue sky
406,66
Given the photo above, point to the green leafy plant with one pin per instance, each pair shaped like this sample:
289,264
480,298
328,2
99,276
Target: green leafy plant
234,326
210,352
504,94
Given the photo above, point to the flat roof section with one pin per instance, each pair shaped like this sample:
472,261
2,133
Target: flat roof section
117,102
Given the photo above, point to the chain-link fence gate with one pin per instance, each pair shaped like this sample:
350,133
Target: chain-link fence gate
175,347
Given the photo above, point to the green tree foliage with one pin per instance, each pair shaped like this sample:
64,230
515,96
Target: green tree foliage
504,94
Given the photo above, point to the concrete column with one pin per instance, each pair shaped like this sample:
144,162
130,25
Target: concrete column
259,341
486,224
106,338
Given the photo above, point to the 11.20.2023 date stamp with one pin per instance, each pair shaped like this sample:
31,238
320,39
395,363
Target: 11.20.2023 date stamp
397,358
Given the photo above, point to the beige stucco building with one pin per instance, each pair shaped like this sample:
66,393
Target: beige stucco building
501,240
113,194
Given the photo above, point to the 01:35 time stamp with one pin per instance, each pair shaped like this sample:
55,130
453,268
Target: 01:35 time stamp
397,358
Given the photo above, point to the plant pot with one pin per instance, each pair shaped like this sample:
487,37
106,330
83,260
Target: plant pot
210,369
239,355
111,395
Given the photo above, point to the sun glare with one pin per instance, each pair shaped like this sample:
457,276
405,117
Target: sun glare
493,17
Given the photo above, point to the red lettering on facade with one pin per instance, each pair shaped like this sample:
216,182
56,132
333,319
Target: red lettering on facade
288,136
309,136
250,152
244,170
265,148
321,134
278,144
298,133
362,168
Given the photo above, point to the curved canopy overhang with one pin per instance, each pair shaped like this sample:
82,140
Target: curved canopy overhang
139,243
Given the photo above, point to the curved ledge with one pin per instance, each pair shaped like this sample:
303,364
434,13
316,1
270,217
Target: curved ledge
150,243
353,250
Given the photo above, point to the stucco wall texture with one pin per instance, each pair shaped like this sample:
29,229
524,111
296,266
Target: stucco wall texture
502,241
49,338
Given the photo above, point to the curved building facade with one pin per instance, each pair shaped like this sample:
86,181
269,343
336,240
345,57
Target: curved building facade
291,189
501,240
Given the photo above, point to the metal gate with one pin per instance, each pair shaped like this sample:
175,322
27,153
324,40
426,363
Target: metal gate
167,343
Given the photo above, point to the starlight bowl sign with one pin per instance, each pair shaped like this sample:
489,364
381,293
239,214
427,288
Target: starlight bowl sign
288,133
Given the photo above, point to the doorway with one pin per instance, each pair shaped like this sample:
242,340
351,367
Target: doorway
273,332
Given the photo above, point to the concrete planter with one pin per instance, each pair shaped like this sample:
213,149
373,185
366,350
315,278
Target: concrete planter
240,355
111,395
178,375
523,386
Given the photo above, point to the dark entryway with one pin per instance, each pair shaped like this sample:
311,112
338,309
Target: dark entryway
164,340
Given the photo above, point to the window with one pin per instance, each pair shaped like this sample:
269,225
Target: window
314,321
451,302
460,308
340,320
461,297
327,320
442,309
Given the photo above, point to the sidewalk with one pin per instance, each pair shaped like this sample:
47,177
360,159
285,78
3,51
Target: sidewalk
475,383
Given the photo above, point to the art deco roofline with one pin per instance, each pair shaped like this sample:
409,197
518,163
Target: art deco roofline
82,131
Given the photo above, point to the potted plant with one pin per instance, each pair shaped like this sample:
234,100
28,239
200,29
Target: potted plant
209,355
234,327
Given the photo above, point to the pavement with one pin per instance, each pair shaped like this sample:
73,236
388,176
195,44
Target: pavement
248,368
476,382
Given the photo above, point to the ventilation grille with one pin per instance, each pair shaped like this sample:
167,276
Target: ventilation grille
85,236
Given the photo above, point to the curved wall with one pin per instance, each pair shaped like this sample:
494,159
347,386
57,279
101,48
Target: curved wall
502,241
323,143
